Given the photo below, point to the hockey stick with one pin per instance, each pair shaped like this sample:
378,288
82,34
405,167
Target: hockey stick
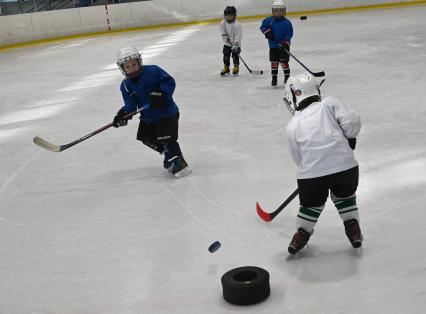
316,74
59,148
269,216
250,70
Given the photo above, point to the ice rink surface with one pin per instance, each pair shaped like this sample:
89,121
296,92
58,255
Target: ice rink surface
102,228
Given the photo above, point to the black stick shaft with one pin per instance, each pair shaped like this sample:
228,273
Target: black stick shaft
245,64
81,139
316,74
286,202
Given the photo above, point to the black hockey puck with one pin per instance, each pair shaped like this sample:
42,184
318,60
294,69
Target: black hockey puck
303,17
214,246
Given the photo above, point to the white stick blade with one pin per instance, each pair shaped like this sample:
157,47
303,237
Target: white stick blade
46,145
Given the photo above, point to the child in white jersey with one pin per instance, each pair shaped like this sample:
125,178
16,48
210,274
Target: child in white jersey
322,136
231,33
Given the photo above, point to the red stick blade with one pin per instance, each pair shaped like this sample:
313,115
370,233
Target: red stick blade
262,214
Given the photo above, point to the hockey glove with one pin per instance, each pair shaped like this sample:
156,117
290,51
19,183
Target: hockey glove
157,99
285,45
268,34
236,49
119,119
352,143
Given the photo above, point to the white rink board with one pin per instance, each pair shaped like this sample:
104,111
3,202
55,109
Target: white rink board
50,24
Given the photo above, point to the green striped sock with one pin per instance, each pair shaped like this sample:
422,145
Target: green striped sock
347,207
308,217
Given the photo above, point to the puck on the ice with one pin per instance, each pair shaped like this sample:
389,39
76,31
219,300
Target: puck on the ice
214,246
303,17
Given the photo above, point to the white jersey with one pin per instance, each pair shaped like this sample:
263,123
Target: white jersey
231,33
317,138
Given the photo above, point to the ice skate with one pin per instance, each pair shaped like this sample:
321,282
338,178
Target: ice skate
286,79
180,167
353,232
167,164
300,238
225,71
235,70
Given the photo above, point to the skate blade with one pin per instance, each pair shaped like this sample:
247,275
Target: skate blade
183,173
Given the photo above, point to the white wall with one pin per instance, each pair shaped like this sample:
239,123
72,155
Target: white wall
42,25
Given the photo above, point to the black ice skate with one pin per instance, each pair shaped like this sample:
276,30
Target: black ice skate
274,80
225,71
167,164
286,78
180,167
353,232
300,238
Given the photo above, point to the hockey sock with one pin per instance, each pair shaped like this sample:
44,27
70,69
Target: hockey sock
286,69
346,206
308,217
274,68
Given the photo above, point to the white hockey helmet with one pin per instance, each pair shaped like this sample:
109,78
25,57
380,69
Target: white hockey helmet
278,6
126,54
298,88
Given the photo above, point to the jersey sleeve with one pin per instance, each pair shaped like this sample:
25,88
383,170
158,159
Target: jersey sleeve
293,148
129,103
222,29
289,34
265,25
167,83
348,119
238,34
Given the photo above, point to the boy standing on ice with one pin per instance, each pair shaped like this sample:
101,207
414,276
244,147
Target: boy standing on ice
279,31
231,33
322,138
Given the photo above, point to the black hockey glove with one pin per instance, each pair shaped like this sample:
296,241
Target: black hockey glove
157,99
285,45
119,119
352,143
235,49
268,34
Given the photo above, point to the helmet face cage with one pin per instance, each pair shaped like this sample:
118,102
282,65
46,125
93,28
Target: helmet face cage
290,98
279,7
127,54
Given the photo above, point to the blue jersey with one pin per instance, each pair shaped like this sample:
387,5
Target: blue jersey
136,93
281,28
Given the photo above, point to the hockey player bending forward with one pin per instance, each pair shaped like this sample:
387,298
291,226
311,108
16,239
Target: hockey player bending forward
321,137
231,33
151,88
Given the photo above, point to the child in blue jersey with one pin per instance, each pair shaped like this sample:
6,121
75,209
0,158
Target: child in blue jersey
279,31
151,88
